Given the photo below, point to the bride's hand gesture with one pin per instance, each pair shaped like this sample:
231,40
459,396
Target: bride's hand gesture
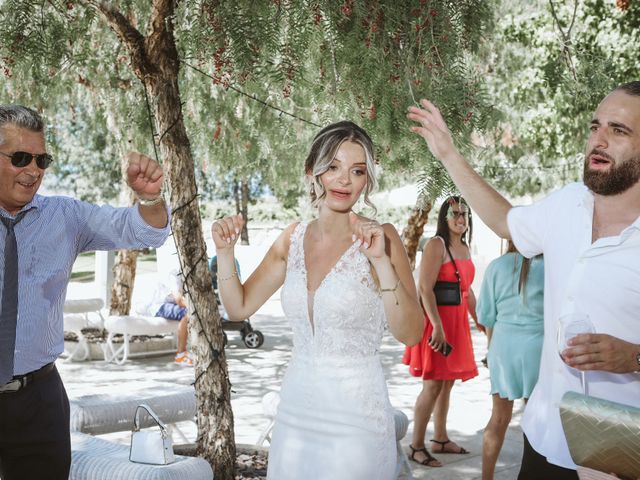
370,234
226,231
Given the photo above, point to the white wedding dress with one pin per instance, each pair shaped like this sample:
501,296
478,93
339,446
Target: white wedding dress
334,420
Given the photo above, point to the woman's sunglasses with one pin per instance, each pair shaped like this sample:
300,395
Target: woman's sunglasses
454,215
22,159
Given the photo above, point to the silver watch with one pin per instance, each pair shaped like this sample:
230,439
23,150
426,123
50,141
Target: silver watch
149,202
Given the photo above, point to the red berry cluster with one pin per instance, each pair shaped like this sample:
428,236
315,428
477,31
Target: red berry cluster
6,66
317,14
419,13
372,25
347,8
222,68
217,132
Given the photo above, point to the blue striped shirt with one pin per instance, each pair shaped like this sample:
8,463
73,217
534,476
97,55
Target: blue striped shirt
53,232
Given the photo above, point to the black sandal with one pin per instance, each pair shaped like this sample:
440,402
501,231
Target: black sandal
462,451
427,461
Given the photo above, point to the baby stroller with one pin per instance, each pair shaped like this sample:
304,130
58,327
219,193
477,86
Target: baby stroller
251,338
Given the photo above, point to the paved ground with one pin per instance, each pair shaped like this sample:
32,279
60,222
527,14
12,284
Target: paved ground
255,372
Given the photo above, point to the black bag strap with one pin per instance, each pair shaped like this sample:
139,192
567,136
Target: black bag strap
455,266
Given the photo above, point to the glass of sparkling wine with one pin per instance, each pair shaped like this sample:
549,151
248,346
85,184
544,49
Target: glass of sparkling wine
568,327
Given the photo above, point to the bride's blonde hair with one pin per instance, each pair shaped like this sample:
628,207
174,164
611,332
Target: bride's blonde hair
323,150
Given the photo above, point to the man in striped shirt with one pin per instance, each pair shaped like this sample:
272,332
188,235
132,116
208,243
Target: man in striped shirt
40,238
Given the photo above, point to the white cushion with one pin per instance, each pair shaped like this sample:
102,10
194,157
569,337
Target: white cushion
74,322
83,305
93,458
140,325
110,409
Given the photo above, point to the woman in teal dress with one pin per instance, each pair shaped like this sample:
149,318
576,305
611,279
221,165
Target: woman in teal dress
510,306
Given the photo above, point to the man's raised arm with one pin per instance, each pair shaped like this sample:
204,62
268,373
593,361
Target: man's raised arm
482,197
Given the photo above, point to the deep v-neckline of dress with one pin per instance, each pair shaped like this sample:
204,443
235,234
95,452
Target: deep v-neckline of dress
311,294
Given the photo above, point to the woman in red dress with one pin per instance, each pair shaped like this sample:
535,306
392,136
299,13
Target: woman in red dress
447,251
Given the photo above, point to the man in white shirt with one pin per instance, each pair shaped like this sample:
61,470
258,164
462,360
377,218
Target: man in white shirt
590,236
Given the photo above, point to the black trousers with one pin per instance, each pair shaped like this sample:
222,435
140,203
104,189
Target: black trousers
34,431
536,467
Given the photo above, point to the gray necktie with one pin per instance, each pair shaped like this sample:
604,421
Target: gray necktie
9,308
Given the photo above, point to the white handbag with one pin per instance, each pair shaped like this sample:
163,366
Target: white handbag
153,447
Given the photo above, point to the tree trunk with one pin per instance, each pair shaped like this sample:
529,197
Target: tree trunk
413,231
213,390
244,210
124,276
236,195
124,268
154,59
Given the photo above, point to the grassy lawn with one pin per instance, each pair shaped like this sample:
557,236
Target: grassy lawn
84,267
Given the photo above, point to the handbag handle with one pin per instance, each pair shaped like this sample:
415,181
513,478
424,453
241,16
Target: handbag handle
455,266
152,414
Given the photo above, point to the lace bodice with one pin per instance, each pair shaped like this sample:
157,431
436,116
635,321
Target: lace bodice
348,315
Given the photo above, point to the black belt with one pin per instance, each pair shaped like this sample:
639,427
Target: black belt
21,381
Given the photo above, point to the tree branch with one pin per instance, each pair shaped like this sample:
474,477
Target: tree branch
130,37
158,25
566,37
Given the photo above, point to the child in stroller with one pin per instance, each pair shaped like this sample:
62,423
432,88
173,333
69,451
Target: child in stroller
251,338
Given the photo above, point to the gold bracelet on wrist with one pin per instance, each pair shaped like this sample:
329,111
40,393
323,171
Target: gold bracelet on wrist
149,202
222,279
392,290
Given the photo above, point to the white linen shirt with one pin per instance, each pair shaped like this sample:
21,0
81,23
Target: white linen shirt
601,279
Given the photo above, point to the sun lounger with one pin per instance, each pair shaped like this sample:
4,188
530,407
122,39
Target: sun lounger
111,409
79,314
129,325
93,458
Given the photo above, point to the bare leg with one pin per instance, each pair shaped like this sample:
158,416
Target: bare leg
182,334
494,434
422,413
440,413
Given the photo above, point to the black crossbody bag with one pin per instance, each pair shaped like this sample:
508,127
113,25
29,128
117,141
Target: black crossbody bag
448,293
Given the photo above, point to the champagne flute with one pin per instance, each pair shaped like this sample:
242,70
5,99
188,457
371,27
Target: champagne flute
569,326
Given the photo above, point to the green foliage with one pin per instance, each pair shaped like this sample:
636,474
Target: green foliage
59,58
321,61
547,93
329,60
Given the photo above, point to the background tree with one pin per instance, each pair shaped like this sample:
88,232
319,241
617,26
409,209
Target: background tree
549,65
269,74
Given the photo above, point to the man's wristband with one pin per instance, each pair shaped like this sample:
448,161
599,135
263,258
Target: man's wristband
149,202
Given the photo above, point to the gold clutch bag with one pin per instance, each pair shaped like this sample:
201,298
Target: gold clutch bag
602,435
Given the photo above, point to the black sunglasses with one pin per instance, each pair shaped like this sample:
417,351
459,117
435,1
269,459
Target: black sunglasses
22,159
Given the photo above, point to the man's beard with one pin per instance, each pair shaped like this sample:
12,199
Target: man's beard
616,180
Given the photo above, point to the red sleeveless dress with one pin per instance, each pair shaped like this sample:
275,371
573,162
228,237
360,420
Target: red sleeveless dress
460,364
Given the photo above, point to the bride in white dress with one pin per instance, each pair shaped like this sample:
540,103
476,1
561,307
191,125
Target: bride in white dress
344,278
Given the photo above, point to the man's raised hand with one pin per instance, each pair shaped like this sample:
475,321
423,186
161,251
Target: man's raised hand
144,176
432,127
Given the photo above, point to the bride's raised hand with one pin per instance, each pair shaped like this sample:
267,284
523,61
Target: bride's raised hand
370,234
226,231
